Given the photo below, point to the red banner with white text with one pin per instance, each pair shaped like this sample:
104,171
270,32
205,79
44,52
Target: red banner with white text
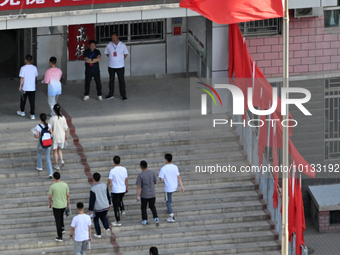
34,4
78,40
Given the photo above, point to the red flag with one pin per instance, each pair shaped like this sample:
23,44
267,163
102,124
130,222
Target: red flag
262,139
275,164
300,219
235,11
291,207
302,165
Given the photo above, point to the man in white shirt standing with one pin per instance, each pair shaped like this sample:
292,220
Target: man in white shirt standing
81,225
28,75
117,53
170,175
118,178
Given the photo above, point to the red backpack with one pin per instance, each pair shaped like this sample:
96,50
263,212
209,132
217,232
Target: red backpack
45,137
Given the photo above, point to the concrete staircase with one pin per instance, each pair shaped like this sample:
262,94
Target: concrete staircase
218,214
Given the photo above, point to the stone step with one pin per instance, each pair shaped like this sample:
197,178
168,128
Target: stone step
179,158
135,214
36,191
32,177
194,189
198,220
138,245
259,248
187,241
168,232
148,126
147,233
105,130
104,167
187,219
125,145
138,136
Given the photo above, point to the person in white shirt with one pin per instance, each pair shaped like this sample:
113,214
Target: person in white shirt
117,53
28,75
81,225
118,178
170,175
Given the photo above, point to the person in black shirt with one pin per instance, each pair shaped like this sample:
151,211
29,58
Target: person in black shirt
92,57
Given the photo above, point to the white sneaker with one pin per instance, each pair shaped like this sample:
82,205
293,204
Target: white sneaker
39,169
123,213
98,236
85,98
171,219
108,232
100,98
157,222
32,117
62,162
56,167
20,113
116,223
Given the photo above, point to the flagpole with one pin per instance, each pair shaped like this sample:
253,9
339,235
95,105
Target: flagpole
285,155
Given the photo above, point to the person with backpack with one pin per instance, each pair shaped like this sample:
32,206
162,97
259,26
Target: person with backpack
44,134
59,127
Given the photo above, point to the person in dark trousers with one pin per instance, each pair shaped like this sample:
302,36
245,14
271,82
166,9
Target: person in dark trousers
100,203
117,53
59,192
169,173
28,76
118,178
146,181
153,250
92,58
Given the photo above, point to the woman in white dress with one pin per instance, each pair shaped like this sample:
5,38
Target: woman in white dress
59,127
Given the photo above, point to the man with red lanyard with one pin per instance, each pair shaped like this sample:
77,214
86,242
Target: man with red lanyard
117,53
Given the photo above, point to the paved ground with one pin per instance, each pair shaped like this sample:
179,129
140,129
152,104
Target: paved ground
168,97
321,243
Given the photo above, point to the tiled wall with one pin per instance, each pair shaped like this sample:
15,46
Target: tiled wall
312,50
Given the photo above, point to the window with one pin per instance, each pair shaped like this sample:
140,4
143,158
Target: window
332,118
261,27
132,31
332,18
334,217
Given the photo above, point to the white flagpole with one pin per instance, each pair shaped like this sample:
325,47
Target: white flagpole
285,147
